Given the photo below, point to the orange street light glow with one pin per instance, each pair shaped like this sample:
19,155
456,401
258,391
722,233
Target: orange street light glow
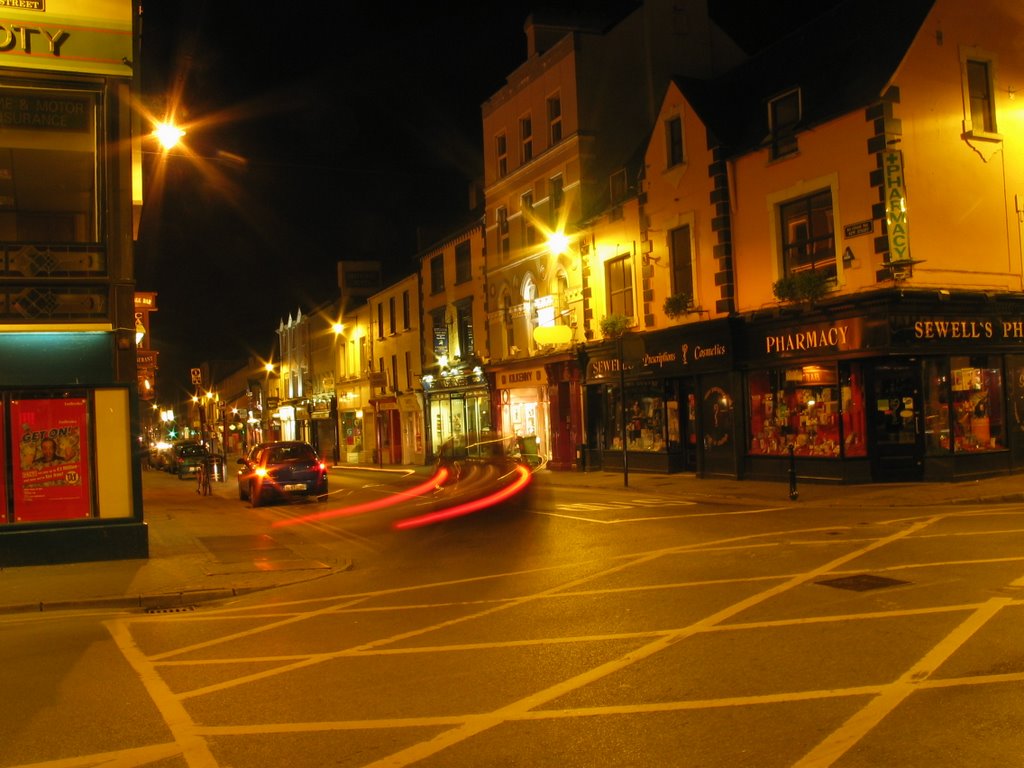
470,506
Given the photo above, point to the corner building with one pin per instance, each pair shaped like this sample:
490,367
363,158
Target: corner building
70,486
869,176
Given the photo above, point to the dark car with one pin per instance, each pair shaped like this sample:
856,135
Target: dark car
281,470
186,459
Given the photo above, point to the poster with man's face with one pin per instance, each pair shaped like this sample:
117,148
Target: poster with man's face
49,438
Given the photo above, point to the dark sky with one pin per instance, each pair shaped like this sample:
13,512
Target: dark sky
355,131
318,136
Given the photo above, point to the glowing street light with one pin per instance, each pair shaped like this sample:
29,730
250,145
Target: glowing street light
168,134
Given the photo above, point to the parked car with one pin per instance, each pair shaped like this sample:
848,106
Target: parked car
279,470
187,459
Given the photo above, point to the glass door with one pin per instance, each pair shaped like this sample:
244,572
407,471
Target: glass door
898,445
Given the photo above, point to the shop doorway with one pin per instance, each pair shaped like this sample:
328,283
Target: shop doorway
898,438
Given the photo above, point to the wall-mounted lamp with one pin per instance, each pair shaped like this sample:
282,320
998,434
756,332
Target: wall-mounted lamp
847,256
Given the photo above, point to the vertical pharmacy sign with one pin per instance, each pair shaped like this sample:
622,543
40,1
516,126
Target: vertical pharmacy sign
896,207
49,439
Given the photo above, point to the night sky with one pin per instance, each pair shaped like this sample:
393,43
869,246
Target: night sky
313,137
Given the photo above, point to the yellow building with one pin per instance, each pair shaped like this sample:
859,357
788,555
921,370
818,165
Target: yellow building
68,391
853,198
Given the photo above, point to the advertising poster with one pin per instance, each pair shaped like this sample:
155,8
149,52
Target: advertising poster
50,439
3,475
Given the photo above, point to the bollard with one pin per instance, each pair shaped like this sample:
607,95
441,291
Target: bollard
792,474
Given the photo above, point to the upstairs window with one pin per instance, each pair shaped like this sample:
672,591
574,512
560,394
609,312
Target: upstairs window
464,328
681,256
556,198
502,222
674,141
808,234
529,229
554,119
783,118
392,316
501,152
526,138
617,187
463,262
380,320
979,92
405,311
618,275
437,274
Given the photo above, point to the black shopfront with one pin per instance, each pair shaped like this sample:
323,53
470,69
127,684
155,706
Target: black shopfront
668,396
907,387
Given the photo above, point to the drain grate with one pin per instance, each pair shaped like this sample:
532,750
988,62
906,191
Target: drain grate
175,609
862,582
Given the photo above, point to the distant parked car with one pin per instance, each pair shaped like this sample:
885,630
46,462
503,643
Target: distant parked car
188,458
280,470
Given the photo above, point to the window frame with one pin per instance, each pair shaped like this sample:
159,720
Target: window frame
556,198
796,218
529,226
685,232
675,151
983,104
463,262
525,138
619,289
501,154
501,222
782,135
437,274
554,111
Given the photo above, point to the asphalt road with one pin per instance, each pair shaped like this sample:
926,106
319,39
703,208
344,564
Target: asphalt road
610,628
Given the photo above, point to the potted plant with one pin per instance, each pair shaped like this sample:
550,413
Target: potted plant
806,286
678,305
614,325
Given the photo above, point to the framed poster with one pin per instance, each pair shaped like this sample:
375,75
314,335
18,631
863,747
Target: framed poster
51,468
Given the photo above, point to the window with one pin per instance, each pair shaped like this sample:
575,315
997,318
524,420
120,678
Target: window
464,327
819,409
526,138
674,141
380,320
437,274
556,198
405,311
503,244
501,149
440,328
808,236
783,117
408,370
394,372
979,91
510,330
617,186
48,169
392,316
963,404
463,263
619,281
529,229
554,119
681,255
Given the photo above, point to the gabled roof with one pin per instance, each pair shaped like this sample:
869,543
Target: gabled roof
841,61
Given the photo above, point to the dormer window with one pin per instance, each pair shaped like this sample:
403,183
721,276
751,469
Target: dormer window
784,113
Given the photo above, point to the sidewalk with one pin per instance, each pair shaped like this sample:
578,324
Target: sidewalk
198,553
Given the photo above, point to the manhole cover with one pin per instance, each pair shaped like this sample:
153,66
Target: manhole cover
234,549
862,582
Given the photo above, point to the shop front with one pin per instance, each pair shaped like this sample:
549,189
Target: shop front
910,388
410,406
522,391
324,427
458,408
667,396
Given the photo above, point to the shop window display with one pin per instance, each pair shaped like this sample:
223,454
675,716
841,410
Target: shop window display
645,416
818,409
964,405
